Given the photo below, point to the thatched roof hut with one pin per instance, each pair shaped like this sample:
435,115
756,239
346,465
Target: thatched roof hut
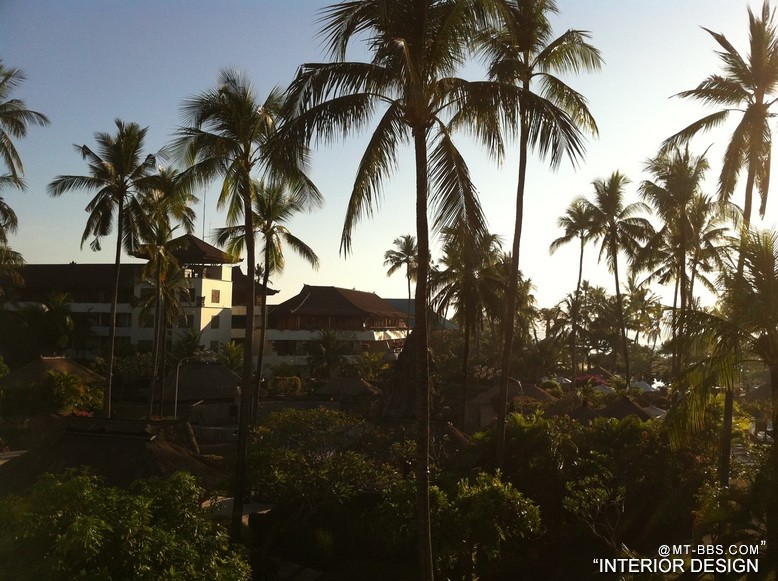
205,381
35,371
623,407
352,387
120,452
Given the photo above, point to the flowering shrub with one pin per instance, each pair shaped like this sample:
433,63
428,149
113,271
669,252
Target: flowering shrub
485,373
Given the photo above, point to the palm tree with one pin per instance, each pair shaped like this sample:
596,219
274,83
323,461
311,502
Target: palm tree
405,253
471,280
119,172
416,48
273,207
15,118
748,87
227,135
522,53
576,224
11,263
169,201
620,230
745,327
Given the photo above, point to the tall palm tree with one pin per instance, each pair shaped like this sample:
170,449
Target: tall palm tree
619,230
227,134
748,87
744,328
11,263
15,118
404,254
273,207
416,47
548,115
577,225
471,280
119,172
169,201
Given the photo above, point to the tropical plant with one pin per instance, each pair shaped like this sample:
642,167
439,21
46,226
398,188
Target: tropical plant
404,254
577,225
469,278
273,206
15,118
746,327
616,226
415,48
227,132
71,526
119,172
549,116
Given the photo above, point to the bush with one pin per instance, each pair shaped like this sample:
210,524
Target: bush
72,527
58,393
286,386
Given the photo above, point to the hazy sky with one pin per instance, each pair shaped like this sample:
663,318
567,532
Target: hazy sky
91,61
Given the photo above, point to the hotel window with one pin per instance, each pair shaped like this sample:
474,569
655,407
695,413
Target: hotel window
215,296
215,321
186,322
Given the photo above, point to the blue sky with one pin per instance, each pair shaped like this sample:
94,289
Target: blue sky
91,61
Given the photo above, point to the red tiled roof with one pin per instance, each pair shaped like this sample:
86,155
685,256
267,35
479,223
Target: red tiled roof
334,301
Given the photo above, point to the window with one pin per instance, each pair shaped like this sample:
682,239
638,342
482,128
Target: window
215,296
123,319
238,321
215,322
186,322
146,320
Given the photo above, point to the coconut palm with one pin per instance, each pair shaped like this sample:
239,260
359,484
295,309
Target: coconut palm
404,254
469,278
549,116
618,229
227,134
15,118
745,327
119,172
416,47
577,225
168,202
273,207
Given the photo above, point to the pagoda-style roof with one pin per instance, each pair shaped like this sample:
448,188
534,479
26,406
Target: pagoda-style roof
189,249
332,301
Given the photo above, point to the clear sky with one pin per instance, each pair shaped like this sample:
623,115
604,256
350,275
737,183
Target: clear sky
90,61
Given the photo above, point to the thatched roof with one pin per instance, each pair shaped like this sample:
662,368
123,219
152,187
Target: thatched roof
335,302
120,452
515,389
623,407
35,371
204,381
349,387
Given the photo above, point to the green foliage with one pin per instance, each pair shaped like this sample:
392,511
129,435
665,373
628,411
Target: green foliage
310,460
286,386
57,393
231,354
72,527
130,373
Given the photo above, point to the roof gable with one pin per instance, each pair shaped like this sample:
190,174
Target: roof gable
334,301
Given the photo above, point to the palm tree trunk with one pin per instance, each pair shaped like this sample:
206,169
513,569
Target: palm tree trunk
262,333
512,294
574,322
423,520
465,362
620,307
408,277
674,357
157,338
248,356
108,396
729,394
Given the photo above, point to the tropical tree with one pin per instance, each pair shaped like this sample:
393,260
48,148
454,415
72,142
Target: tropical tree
576,224
119,173
227,132
747,87
744,328
169,201
470,279
618,229
416,47
404,254
547,114
11,263
15,118
273,206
